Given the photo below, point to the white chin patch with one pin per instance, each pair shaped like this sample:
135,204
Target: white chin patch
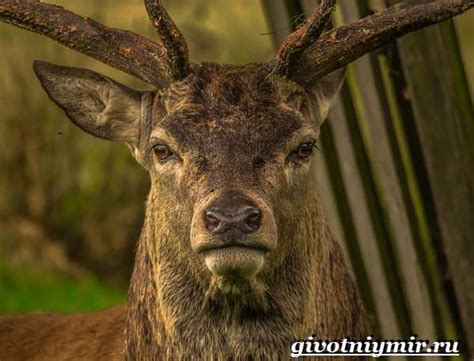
235,262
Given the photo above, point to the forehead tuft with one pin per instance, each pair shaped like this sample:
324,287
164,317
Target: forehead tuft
236,106
223,89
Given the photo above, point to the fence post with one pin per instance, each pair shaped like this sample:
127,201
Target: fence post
444,126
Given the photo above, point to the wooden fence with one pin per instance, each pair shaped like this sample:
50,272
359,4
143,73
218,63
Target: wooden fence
396,177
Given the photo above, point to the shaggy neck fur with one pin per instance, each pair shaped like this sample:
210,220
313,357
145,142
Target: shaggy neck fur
176,312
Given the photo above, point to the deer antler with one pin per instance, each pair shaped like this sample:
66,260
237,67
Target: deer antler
309,54
298,41
124,50
171,37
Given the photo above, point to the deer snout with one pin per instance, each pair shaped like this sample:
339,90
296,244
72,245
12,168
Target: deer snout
243,218
233,233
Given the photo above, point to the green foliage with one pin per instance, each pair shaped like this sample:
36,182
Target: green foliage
22,291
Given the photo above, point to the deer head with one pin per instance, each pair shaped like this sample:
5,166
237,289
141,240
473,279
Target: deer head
232,214
228,150
224,146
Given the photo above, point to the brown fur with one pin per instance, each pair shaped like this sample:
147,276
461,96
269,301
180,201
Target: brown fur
49,336
234,129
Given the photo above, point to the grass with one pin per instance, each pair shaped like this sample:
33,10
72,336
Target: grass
29,291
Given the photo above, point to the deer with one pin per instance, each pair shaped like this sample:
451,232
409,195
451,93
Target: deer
235,260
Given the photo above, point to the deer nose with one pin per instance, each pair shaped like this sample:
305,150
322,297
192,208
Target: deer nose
239,215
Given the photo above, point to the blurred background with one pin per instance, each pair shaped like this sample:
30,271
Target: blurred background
71,206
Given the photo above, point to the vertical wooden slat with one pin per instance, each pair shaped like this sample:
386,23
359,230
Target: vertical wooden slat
354,215
444,117
413,172
356,193
375,205
415,183
414,305
415,302
371,209
380,179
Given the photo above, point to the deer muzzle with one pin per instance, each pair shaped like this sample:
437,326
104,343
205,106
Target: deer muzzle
234,233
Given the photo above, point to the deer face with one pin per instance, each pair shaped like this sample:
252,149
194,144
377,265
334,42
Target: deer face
228,150
231,145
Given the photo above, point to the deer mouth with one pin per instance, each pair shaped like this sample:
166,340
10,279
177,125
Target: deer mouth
232,245
234,259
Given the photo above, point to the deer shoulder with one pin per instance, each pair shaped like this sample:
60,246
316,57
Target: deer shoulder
54,336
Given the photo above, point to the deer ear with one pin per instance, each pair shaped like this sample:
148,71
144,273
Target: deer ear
95,103
325,91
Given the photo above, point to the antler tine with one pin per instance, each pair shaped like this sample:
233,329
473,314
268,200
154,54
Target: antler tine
307,33
342,45
171,37
121,49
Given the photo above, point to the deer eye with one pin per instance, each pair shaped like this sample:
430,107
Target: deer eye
305,150
302,153
162,152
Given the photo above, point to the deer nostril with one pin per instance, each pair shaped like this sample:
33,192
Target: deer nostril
253,220
212,222
237,216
